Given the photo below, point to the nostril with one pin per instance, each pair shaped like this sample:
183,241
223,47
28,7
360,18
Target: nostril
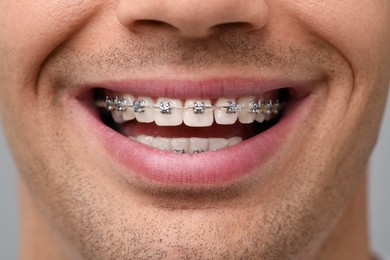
233,26
149,23
142,24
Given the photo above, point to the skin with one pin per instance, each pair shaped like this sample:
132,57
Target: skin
302,205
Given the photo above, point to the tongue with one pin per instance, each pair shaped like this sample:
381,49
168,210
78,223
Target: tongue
135,129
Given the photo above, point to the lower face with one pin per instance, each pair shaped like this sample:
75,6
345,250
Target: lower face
262,181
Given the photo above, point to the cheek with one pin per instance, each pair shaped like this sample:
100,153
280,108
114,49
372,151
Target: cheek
357,29
359,32
33,29
30,31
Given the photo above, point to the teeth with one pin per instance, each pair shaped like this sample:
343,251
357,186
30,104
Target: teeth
199,144
144,139
147,114
194,113
168,112
161,143
260,117
234,141
227,114
124,114
117,116
218,143
129,113
244,115
191,145
200,115
180,144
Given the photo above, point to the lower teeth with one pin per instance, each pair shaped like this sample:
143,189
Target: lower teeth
191,145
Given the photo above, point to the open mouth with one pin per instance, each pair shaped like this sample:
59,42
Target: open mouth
190,126
210,132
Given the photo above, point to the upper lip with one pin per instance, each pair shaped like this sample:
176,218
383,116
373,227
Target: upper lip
209,88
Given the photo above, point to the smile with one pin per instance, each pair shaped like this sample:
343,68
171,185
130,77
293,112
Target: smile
194,113
177,133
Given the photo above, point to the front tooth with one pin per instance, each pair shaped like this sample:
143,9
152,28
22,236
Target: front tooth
173,117
144,139
161,143
199,118
199,144
234,140
223,116
147,116
217,143
180,144
243,114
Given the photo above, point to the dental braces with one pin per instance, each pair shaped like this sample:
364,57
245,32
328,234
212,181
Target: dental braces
116,103
182,151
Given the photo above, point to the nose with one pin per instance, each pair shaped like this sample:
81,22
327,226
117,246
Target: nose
193,18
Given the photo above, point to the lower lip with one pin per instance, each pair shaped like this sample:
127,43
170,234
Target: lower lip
210,168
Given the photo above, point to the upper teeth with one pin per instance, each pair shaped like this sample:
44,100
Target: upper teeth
194,112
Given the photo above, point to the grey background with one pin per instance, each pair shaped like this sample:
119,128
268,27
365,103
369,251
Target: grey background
379,197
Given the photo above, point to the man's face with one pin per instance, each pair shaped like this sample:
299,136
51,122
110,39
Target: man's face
274,194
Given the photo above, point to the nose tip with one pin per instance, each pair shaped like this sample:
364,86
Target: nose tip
193,18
